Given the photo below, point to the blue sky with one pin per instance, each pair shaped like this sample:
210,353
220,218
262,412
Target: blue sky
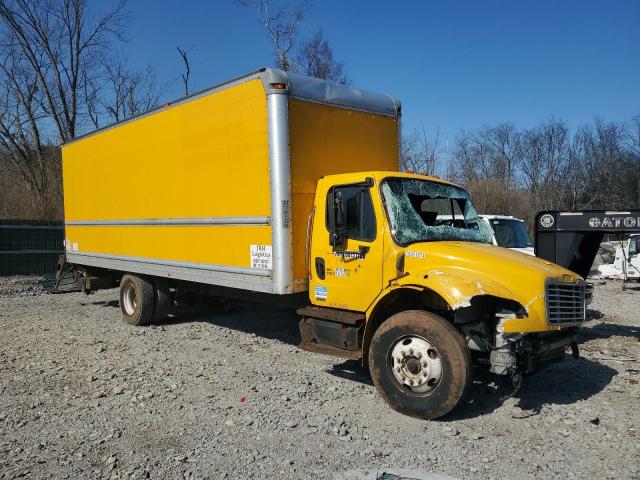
454,64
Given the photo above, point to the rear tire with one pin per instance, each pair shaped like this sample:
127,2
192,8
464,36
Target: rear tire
420,364
137,299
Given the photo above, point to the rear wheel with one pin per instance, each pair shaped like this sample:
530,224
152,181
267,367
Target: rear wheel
137,299
420,364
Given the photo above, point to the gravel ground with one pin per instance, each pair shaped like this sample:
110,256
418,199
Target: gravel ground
213,394
20,286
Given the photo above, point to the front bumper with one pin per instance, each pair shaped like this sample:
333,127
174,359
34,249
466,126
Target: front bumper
531,352
536,351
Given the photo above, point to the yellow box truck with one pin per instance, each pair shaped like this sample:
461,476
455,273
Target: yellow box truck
278,187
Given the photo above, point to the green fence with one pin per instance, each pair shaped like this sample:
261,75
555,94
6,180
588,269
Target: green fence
30,247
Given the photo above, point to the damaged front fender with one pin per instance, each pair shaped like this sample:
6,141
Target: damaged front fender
458,287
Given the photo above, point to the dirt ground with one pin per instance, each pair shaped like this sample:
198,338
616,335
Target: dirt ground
213,394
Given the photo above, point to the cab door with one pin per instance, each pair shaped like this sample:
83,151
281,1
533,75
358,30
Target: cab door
347,248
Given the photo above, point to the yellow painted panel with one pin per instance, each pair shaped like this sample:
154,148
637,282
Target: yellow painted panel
218,245
208,157
328,140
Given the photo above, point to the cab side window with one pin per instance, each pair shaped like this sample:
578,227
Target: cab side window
633,245
358,208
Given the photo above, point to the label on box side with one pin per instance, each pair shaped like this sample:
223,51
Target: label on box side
261,257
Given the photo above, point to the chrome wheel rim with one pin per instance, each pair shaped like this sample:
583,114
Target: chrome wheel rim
416,364
129,298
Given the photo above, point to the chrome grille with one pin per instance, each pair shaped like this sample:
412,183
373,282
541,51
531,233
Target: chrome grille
565,302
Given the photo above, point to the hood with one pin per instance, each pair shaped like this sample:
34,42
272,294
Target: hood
459,271
499,262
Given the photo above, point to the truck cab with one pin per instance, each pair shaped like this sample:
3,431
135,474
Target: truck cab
404,274
627,260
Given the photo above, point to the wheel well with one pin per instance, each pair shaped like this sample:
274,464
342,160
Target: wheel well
400,300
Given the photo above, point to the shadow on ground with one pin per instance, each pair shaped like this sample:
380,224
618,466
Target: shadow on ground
564,383
262,320
606,330
560,384
108,303
351,370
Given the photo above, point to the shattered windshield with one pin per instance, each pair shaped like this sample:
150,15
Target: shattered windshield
425,211
511,233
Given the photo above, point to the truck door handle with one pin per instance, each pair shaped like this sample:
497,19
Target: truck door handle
320,270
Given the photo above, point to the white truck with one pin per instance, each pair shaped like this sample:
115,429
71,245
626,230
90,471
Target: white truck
510,232
627,260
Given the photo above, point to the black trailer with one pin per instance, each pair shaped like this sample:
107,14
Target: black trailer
572,238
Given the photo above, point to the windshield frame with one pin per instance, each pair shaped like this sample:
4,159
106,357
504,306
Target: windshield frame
425,180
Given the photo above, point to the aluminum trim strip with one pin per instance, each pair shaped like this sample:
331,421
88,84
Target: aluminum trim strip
331,93
187,222
343,107
172,263
198,275
280,173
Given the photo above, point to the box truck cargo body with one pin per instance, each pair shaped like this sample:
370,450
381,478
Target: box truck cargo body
285,188
218,187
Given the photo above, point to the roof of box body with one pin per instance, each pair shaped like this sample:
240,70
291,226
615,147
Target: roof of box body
297,86
323,91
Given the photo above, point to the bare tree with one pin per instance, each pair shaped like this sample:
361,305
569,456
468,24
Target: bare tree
315,59
21,115
420,152
50,51
521,172
60,42
282,23
503,144
126,92
544,158
184,54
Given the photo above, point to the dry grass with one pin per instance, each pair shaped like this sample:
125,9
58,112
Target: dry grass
18,202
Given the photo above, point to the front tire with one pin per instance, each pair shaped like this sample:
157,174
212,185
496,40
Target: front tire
420,364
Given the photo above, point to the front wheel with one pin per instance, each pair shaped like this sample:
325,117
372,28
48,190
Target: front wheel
420,364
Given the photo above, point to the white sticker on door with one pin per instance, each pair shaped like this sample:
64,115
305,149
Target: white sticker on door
261,257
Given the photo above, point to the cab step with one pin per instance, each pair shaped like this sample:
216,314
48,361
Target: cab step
332,331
